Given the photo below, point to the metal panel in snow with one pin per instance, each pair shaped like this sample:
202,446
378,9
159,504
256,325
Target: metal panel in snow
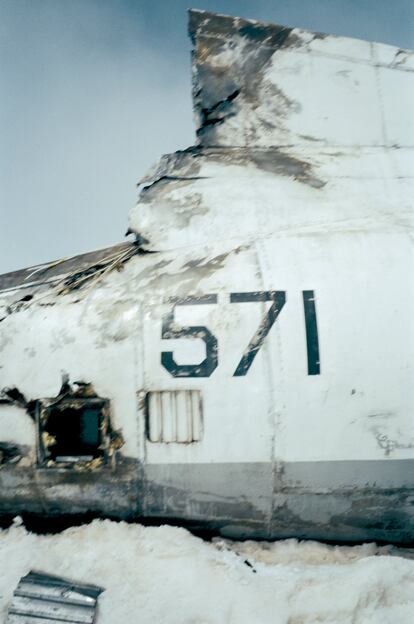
174,416
44,599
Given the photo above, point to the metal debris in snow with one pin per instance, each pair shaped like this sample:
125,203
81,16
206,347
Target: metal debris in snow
43,599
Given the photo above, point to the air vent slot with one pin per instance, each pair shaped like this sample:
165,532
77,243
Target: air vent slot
174,416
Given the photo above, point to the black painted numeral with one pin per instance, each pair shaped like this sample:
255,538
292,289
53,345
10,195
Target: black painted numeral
278,298
171,331
312,340
205,369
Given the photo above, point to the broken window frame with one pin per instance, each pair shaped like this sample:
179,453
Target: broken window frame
43,411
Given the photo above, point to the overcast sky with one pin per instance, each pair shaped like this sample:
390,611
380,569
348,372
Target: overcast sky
92,92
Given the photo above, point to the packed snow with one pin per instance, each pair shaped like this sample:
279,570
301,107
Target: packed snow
157,575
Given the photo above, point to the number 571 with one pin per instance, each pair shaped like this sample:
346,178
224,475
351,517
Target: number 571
209,364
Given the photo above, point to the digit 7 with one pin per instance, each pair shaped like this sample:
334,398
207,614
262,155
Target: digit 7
278,298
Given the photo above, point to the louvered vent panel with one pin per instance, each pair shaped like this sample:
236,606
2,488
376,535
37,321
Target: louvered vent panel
174,416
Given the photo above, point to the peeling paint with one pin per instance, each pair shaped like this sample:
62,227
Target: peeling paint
11,453
183,275
13,396
226,27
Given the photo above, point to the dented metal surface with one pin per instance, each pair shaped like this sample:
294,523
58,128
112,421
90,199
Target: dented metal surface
44,598
284,117
275,296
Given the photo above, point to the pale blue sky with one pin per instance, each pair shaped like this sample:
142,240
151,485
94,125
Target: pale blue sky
94,91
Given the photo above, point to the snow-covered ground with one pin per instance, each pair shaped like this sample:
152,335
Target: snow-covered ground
166,575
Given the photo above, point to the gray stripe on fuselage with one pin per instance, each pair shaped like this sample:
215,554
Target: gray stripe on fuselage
378,473
337,500
332,500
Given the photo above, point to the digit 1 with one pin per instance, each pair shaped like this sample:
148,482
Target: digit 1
311,325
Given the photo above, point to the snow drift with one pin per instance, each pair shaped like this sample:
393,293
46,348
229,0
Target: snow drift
157,575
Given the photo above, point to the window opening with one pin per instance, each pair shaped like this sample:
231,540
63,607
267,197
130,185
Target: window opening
72,431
